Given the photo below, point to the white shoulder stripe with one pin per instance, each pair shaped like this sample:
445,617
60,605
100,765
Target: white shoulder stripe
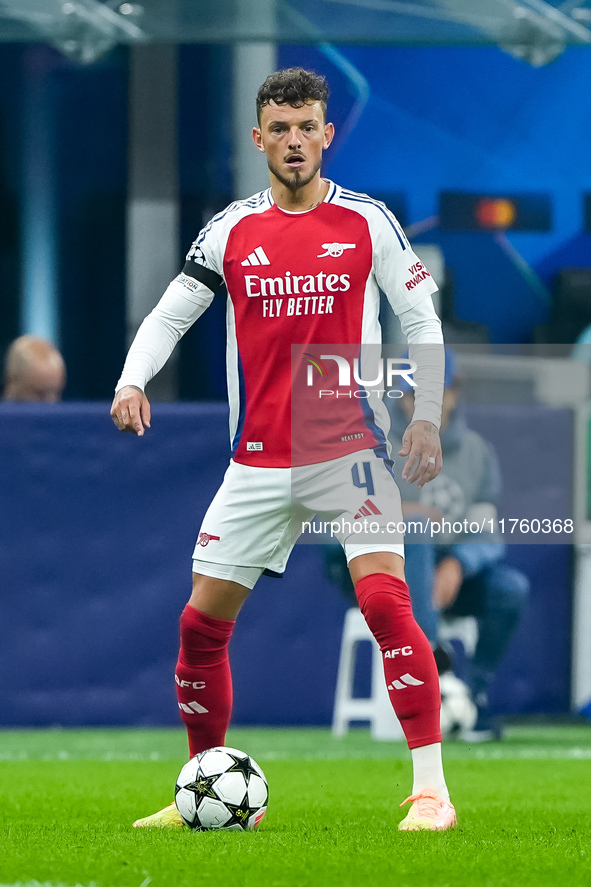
354,197
257,201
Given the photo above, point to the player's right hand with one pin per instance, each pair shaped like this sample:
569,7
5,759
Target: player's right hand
131,410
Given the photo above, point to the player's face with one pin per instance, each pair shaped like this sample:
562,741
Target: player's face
293,140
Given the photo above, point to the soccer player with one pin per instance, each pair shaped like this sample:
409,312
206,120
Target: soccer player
303,263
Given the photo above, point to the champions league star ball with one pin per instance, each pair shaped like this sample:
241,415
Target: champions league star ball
458,712
221,788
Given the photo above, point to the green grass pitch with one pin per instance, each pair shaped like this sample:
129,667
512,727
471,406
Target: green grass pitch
68,798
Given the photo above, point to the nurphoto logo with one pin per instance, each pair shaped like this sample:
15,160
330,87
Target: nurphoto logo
386,370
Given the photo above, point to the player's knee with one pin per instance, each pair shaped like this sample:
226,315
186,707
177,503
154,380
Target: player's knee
220,598
510,590
380,613
383,592
385,604
376,562
203,633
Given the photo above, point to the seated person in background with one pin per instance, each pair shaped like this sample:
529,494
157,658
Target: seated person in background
34,371
460,574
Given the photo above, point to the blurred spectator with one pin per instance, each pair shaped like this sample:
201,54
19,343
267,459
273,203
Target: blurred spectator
462,574
34,371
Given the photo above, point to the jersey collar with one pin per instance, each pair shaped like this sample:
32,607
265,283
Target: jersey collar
332,190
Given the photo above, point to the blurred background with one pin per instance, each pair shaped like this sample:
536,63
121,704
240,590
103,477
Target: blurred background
123,128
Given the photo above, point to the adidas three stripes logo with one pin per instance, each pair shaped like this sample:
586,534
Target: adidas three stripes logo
193,708
405,681
257,257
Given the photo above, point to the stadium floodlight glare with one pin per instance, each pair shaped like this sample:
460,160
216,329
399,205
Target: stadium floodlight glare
82,29
532,30
581,14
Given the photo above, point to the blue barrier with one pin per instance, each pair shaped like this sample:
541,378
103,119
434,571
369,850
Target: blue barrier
96,534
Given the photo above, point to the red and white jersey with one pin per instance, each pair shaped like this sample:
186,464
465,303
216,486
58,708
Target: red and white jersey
306,279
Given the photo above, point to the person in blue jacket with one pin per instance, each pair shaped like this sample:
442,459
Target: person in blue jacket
461,573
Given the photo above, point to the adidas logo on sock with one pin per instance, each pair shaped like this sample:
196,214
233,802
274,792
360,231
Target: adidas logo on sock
257,257
193,708
405,681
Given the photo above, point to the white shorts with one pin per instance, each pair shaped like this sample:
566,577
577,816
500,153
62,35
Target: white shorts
258,514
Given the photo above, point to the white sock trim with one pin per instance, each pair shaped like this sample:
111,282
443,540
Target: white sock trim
427,767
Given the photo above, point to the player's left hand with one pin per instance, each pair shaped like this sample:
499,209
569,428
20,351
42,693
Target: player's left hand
131,411
422,446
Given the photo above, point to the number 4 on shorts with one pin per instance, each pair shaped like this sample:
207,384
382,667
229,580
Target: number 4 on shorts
367,482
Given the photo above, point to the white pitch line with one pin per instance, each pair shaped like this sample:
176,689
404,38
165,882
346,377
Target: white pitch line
49,884
68,756
534,754
144,883
451,751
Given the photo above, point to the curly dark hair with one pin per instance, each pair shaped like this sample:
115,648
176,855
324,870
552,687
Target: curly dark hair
293,86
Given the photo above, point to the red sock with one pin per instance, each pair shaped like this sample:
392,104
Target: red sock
409,666
203,678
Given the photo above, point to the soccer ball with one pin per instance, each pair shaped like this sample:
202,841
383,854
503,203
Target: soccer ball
221,788
458,712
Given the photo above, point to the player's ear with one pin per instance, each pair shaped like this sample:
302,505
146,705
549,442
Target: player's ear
257,138
328,134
